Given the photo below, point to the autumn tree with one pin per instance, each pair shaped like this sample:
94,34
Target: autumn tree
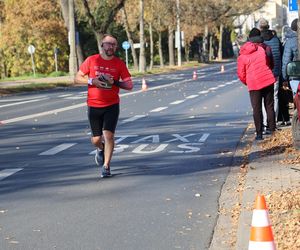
99,15
32,22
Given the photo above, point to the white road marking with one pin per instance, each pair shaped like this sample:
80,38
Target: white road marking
213,88
139,149
222,124
58,149
22,99
19,103
158,109
26,117
75,97
177,102
7,172
54,111
204,137
93,152
191,96
131,119
65,95
203,92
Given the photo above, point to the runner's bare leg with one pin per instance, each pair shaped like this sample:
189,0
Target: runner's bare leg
109,139
97,142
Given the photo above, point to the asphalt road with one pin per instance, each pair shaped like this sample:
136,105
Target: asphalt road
175,145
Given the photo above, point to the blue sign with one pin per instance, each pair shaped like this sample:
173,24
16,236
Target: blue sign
293,5
126,45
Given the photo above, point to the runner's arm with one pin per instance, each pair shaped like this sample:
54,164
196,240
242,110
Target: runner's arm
126,84
81,78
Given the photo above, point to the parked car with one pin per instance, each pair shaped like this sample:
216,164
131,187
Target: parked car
293,72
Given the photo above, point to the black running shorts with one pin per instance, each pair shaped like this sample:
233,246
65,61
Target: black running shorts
103,119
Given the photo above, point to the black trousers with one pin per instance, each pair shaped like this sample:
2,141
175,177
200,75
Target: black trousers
267,95
284,98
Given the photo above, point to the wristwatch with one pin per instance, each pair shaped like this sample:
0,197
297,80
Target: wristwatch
90,81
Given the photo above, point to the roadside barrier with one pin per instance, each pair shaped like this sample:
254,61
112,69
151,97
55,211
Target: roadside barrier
195,75
144,85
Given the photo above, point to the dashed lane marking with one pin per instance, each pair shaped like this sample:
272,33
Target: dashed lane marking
177,102
75,97
58,149
191,96
158,109
66,95
203,92
22,99
27,117
54,111
8,172
131,119
19,103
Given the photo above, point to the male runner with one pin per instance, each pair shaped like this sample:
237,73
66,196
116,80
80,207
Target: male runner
104,71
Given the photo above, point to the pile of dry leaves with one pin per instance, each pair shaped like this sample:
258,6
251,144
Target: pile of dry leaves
284,206
282,142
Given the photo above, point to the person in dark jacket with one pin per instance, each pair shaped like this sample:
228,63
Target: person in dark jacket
290,53
254,69
274,43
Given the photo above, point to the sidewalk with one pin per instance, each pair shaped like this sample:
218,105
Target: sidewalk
60,79
265,173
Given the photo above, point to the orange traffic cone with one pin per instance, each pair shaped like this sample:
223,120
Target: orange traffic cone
261,236
222,68
144,85
195,75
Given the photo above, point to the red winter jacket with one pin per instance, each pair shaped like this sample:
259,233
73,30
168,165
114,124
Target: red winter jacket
253,67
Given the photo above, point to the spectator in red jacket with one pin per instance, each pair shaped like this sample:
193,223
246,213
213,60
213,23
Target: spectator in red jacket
254,69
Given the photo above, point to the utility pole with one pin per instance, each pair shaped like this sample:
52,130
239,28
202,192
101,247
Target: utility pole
178,34
72,40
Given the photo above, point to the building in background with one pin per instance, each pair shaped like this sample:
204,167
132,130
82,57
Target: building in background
274,11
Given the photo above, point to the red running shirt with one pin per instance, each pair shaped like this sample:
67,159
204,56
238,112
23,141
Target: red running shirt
95,65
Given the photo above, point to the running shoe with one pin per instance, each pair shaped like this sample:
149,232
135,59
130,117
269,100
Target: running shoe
99,156
105,172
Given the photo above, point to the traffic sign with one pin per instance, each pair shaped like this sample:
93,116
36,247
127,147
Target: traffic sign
293,5
126,45
31,49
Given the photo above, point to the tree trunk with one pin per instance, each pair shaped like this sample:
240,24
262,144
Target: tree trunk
142,64
73,67
79,53
99,37
187,52
171,46
220,54
161,58
210,57
65,13
129,36
151,46
205,43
